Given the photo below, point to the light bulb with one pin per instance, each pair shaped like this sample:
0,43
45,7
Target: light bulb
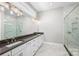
18,14
11,12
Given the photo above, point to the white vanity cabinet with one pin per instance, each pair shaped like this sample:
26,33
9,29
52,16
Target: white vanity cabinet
7,54
26,49
32,46
18,51
15,52
29,48
36,43
40,40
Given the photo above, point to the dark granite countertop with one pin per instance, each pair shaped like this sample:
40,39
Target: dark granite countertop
24,39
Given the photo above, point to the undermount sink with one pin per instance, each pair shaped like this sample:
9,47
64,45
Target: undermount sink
14,44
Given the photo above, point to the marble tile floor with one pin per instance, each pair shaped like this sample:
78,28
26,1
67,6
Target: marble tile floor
51,49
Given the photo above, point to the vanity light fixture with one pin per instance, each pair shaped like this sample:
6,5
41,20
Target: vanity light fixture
12,8
17,14
2,8
11,12
16,10
34,19
5,4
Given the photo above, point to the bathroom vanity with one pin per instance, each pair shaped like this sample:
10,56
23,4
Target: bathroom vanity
26,45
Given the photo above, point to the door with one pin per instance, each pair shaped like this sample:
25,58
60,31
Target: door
72,31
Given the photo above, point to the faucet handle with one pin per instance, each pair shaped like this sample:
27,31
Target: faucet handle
12,40
8,42
15,40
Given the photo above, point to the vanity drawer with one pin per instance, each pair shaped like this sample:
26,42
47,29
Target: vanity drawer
16,50
7,54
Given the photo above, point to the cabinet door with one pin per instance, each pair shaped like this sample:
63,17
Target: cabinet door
32,46
36,43
39,41
7,54
17,50
20,53
28,49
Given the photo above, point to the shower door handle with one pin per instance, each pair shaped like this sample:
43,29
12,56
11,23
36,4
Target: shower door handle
69,32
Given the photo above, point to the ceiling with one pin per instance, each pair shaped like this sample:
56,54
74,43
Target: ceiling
43,6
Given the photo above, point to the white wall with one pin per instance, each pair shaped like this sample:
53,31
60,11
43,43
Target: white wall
52,24
29,26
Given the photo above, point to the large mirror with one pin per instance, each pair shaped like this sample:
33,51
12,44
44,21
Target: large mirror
12,25
9,26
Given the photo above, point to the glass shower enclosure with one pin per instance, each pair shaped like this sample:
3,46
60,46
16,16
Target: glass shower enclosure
72,31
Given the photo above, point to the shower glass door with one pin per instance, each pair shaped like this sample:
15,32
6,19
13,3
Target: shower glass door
72,31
